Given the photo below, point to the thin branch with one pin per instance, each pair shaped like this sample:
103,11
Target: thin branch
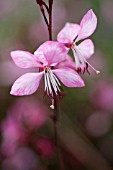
41,3
45,6
43,13
50,19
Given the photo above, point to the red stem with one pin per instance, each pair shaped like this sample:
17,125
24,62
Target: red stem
50,19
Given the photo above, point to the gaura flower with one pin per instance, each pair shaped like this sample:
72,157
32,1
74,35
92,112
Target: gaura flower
47,58
71,34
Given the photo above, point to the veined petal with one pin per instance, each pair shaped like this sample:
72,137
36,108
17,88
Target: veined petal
68,33
86,48
68,62
88,25
69,77
26,84
53,51
39,56
24,59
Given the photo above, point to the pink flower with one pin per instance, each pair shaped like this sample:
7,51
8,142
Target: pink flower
46,58
85,49
13,134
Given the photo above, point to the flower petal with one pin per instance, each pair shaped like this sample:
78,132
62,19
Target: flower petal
39,56
68,33
68,62
69,77
88,25
53,51
86,48
26,84
24,59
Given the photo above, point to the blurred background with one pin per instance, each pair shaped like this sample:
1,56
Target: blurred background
85,129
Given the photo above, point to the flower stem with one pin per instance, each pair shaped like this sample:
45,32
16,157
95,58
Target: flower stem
48,22
55,121
50,19
48,7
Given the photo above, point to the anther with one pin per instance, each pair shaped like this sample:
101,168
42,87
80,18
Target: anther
52,107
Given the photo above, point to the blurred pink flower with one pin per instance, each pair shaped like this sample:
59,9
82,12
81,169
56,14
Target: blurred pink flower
25,117
98,124
45,147
84,50
30,113
103,93
12,134
23,159
46,57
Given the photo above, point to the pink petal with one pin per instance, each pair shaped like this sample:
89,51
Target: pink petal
69,77
68,62
26,84
53,51
88,25
86,48
68,33
39,56
24,59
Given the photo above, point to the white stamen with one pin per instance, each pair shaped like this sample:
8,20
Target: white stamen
51,82
80,59
57,80
49,85
45,82
76,58
97,72
55,85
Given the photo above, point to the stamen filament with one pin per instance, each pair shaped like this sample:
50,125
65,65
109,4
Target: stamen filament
51,83
97,71
54,83
79,59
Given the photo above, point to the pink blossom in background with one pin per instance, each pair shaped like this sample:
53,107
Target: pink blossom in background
85,49
102,95
23,159
46,58
30,112
98,124
13,134
26,116
45,147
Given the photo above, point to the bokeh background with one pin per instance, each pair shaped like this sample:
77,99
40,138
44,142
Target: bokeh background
85,129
